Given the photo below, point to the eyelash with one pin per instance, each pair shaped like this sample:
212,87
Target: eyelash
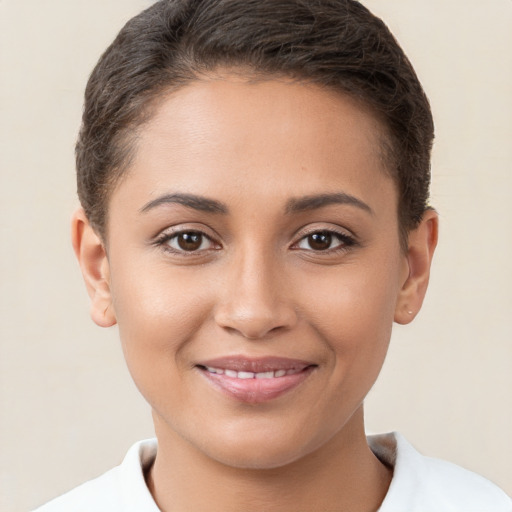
164,239
346,242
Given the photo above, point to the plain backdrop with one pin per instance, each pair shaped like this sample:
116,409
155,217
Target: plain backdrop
68,409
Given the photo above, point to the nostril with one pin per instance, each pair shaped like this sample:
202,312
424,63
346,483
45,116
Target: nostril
254,334
254,314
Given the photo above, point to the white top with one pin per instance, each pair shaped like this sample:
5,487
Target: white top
419,484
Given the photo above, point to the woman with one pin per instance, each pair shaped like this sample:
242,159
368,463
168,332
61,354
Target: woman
254,186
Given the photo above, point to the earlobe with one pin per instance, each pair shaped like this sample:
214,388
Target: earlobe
92,258
422,242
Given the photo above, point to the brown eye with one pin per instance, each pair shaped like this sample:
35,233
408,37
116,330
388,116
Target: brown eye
320,241
325,241
189,241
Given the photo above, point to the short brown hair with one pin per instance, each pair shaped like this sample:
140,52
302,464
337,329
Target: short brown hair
333,43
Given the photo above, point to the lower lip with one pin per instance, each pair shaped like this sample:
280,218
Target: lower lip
256,390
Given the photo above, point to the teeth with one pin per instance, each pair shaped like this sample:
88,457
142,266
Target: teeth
215,370
265,375
251,375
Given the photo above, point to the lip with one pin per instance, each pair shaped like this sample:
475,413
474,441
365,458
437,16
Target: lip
256,390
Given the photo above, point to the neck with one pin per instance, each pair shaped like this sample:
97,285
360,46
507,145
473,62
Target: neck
341,475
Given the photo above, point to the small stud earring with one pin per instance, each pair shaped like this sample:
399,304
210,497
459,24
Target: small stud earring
410,312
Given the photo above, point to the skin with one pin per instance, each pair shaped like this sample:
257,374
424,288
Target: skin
257,286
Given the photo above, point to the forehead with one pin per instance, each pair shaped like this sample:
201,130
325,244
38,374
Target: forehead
230,136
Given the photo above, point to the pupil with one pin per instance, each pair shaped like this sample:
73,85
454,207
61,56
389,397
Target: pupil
320,241
189,241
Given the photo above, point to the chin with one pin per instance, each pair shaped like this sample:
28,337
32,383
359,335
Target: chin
261,457
259,450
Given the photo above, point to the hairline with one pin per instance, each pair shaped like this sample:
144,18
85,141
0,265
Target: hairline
127,137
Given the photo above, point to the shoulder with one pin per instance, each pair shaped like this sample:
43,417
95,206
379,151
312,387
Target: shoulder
123,488
457,487
99,494
423,483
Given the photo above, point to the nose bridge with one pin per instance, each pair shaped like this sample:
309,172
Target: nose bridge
254,302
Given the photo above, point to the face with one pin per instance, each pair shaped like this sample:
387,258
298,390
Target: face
254,267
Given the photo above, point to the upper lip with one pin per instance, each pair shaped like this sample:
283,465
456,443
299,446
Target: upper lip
255,365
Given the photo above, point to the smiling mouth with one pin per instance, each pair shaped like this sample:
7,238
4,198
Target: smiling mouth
252,375
255,380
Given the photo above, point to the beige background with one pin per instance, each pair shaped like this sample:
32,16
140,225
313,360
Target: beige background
68,409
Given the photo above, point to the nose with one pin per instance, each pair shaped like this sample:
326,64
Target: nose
254,301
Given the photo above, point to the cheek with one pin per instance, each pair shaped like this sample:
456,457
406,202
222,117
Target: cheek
353,303
153,295
352,310
158,311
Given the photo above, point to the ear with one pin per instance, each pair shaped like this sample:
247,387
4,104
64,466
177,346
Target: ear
422,242
92,258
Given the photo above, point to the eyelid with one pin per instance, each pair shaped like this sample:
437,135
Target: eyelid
325,228
185,227
170,232
347,238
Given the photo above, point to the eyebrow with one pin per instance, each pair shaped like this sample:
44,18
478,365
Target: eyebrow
295,205
200,203
314,202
